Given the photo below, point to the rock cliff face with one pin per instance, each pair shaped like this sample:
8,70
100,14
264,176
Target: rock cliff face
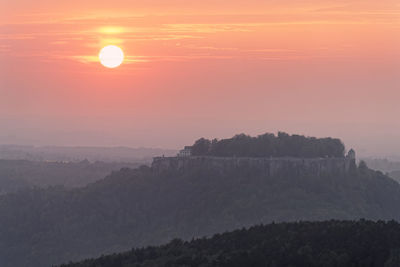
268,166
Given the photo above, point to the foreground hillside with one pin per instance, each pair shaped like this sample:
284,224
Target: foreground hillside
308,244
142,207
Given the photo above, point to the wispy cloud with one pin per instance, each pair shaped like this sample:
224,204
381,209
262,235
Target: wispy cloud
201,36
4,48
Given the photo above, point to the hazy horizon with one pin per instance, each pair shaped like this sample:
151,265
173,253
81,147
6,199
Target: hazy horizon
376,150
365,145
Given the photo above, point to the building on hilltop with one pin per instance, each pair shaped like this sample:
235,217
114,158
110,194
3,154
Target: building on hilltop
185,152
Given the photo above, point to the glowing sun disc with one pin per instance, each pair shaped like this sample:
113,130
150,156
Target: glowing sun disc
111,56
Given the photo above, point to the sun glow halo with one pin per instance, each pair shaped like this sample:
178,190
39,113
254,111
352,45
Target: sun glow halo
111,56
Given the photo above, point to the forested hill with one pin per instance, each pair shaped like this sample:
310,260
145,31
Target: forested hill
269,145
304,244
133,208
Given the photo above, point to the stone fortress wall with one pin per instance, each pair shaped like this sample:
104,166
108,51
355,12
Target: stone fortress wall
269,166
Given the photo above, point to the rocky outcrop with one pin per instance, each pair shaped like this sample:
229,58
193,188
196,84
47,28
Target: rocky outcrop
268,166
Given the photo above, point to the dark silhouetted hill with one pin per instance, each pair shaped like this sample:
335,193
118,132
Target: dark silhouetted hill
304,244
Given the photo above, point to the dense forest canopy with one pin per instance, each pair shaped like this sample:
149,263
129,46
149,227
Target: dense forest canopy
270,145
303,244
139,207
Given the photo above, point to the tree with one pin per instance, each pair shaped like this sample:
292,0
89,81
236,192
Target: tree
269,145
201,147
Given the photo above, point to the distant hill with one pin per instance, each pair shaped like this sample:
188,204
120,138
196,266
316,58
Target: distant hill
384,165
22,174
392,168
79,153
304,244
395,175
139,207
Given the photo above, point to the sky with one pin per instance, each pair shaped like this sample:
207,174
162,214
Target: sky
200,69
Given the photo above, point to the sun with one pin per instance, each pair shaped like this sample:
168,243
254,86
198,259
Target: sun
111,56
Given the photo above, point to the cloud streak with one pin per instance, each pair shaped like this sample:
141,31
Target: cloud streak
275,34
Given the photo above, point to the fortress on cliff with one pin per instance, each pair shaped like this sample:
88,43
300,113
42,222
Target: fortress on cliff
270,166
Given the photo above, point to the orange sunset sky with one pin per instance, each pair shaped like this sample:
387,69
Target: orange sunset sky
200,68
